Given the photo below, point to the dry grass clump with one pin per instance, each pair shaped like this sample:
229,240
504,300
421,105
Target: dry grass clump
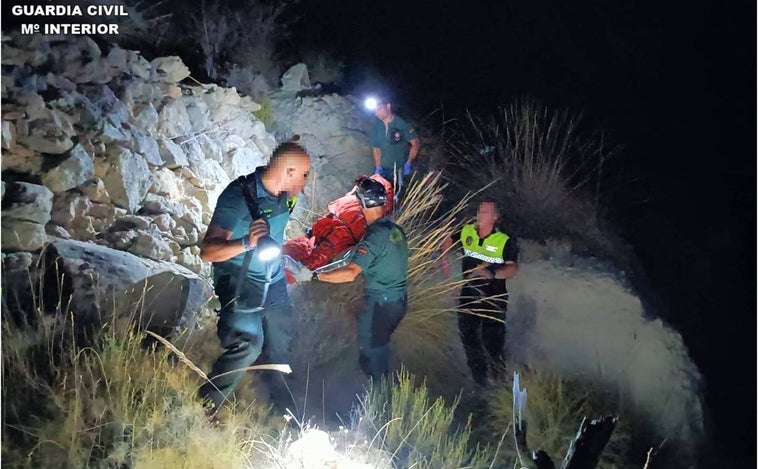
112,402
544,167
554,410
404,419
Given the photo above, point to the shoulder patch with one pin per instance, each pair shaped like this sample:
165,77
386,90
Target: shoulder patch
396,235
411,130
362,250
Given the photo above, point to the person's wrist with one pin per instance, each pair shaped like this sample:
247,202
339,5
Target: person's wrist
247,244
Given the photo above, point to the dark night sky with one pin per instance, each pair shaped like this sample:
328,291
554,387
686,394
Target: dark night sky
673,82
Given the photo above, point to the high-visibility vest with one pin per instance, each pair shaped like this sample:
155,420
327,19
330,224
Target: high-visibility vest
490,250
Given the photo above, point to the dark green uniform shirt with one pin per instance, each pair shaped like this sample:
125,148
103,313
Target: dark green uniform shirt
382,254
393,141
232,214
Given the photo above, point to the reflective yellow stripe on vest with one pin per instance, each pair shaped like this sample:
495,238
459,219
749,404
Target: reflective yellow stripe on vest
491,249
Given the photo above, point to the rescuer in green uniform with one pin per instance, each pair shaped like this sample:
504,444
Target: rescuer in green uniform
395,144
490,257
382,257
254,299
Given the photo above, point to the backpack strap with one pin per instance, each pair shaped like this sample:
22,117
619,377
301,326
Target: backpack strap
249,188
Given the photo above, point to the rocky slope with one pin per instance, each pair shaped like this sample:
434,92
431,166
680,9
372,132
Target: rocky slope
112,165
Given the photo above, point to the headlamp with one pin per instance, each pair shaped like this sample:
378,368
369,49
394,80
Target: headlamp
371,103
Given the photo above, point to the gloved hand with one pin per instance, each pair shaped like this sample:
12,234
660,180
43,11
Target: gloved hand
299,272
407,168
378,170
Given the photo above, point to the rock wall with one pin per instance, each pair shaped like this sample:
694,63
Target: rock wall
106,147
334,130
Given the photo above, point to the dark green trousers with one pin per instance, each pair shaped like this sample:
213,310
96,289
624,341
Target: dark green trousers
377,321
242,335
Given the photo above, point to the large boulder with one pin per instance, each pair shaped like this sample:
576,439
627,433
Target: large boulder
102,284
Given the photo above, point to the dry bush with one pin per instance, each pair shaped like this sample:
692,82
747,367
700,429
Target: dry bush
542,164
324,67
246,36
554,409
417,429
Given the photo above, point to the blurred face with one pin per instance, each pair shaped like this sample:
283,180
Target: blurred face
382,111
297,171
486,214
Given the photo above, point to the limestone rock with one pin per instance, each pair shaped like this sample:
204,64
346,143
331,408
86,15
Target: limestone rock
57,231
172,154
72,172
107,103
145,116
137,65
199,114
212,148
68,206
54,144
165,183
164,223
95,190
27,202
128,178
132,222
152,246
106,282
23,236
242,161
8,135
169,90
189,260
296,78
146,146
20,57
155,204
174,121
117,58
60,82
22,159
171,68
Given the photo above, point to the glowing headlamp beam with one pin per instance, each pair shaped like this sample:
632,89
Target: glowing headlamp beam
371,103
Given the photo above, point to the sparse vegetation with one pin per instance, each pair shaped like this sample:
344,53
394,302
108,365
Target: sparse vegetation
246,36
544,167
115,402
266,113
554,409
417,428
324,67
